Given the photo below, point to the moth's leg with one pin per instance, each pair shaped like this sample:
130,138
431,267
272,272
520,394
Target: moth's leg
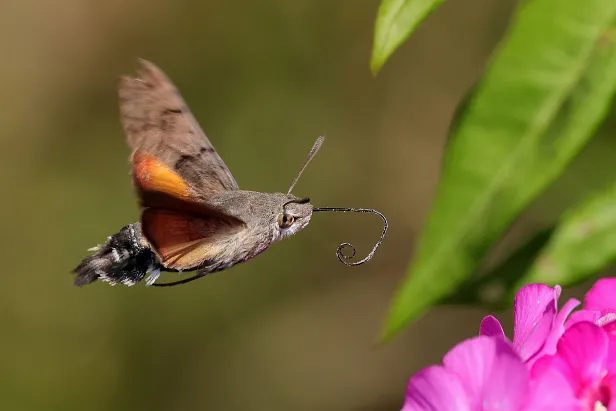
153,274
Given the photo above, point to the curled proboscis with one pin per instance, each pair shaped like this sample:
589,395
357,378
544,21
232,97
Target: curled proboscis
340,250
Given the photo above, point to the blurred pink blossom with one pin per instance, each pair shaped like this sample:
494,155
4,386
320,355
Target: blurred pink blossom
486,374
481,373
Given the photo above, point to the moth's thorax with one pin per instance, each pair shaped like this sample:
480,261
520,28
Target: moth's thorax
260,213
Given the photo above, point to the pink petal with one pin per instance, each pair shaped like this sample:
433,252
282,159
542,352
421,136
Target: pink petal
609,389
610,363
602,295
590,316
607,316
491,327
599,317
583,350
534,311
435,389
556,331
550,389
493,375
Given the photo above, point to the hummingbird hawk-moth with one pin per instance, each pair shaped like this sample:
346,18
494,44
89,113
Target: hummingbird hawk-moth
194,216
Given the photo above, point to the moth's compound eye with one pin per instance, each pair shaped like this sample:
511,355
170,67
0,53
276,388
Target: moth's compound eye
285,220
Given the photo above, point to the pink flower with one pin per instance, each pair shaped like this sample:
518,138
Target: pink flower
553,363
537,323
585,360
481,373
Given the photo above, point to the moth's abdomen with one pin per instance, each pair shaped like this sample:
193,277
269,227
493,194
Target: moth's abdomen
125,258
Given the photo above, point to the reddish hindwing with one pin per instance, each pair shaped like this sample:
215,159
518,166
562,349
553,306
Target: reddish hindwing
184,241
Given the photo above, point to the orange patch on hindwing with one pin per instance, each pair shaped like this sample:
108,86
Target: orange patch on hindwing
153,176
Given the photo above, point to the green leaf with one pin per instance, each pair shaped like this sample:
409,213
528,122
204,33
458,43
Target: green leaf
395,21
583,244
542,97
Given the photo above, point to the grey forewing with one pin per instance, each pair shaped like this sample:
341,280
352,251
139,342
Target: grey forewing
157,120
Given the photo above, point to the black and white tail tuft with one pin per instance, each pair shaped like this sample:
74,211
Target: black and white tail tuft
125,258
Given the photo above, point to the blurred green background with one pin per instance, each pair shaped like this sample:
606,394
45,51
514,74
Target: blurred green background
293,329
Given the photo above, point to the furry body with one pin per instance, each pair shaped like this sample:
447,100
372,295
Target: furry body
127,257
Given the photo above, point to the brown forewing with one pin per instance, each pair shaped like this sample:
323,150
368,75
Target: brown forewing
157,122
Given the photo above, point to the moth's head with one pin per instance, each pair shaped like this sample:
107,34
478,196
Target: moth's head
290,215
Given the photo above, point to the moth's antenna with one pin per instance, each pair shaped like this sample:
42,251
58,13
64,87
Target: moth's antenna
343,257
315,148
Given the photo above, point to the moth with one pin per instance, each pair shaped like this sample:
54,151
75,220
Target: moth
194,217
